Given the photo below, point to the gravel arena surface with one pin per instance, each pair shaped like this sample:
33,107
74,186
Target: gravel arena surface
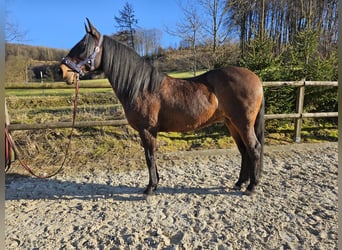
294,207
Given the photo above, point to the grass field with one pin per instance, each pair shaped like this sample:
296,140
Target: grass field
57,88
54,92
62,89
185,74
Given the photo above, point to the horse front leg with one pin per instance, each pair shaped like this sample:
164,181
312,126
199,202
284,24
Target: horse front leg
149,139
244,173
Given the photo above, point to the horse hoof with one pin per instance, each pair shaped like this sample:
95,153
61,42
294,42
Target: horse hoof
236,187
150,190
248,192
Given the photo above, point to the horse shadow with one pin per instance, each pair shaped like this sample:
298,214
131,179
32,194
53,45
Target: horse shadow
22,187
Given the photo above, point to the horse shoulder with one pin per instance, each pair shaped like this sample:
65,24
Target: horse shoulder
143,111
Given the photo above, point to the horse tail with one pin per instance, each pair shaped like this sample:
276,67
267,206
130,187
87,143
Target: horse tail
259,127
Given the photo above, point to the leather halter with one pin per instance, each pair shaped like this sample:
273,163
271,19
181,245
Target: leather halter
89,60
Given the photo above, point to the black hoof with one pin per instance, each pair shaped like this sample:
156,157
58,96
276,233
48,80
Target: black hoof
150,190
236,187
250,190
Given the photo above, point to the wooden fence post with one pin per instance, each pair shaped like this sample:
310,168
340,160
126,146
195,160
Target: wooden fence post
7,118
299,111
10,152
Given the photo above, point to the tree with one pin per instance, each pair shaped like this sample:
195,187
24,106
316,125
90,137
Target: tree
238,12
189,29
127,23
214,25
12,31
147,41
282,20
288,40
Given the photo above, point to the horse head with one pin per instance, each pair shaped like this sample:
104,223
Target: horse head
84,57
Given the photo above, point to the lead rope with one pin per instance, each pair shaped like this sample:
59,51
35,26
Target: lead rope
24,165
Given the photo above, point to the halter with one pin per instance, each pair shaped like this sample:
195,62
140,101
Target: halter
90,60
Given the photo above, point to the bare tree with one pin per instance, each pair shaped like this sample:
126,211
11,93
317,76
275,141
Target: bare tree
127,23
12,31
147,41
189,29
214,25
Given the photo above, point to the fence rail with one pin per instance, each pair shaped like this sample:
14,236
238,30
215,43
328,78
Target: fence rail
298,116
302,83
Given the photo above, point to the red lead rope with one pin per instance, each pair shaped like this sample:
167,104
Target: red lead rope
11,143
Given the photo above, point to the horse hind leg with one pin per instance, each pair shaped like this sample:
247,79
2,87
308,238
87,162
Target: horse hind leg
254,149
251,150
255,142
244,174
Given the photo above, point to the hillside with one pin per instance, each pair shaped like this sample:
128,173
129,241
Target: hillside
26,63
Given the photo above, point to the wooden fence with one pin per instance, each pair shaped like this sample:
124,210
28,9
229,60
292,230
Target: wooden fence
298,116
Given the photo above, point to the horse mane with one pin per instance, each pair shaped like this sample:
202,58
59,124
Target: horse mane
128,73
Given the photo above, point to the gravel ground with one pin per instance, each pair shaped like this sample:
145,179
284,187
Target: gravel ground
294,207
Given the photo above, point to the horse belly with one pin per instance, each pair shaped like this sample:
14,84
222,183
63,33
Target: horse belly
189,115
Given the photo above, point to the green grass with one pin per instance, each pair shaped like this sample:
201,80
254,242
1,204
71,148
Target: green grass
93,84
96,83
57,88
62,89
185,74
53,92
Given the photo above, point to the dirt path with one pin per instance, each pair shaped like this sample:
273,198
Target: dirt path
295,206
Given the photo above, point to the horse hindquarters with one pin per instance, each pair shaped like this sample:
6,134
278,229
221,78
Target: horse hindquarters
240,97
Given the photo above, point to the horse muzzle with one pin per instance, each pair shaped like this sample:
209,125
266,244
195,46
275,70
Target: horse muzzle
69,76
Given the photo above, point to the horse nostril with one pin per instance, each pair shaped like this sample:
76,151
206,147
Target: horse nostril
60,74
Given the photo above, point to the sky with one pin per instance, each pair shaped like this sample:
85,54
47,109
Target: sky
60,23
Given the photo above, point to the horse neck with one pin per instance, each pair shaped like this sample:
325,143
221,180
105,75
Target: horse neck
127,72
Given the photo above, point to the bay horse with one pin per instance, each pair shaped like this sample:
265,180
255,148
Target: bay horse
153,101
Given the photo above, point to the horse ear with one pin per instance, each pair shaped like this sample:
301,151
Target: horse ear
92,30
86,28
